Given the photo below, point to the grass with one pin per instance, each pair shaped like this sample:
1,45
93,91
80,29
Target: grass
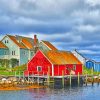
22,68
12,71
89,71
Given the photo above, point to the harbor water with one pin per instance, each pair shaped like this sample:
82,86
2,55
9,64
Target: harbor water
70,93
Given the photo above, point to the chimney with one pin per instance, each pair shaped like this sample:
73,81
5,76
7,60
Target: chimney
35,40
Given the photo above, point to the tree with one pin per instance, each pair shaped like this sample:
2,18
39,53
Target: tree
14,62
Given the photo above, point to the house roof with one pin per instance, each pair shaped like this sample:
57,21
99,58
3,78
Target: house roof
23,42
2,45
27,43
49,45
80,54
20,44
61,57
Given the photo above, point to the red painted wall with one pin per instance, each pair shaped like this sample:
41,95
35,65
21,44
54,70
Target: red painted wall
59,68
39,60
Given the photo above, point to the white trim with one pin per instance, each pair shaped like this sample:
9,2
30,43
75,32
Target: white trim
39,67
43,54
52,70
10,39
19,56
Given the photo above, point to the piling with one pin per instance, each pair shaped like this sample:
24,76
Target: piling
92,77
38,78
63,78
98,78
78,79
86,79
70,78
48,78
32,76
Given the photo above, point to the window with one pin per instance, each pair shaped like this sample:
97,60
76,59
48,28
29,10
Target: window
12,53
7,41
31,53
39,68
74,67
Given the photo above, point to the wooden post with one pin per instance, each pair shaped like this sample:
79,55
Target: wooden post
48,80
86,79
98,78
92,77
32,76
38,78
63,78
78,78
70,79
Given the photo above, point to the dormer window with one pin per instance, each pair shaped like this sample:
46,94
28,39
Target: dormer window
7,41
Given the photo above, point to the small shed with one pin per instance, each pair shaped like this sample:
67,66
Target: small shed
97,66
54,62
90,64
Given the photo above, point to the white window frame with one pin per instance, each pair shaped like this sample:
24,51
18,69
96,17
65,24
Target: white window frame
74,67
38,68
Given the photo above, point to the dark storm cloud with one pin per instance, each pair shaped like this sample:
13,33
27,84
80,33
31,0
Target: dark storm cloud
68,24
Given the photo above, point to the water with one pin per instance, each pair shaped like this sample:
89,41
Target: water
76,93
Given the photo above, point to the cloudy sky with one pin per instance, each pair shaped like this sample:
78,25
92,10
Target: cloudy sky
68,24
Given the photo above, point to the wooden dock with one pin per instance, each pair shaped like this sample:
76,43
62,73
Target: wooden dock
63,80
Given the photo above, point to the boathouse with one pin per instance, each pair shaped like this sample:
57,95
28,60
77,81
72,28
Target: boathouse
55,62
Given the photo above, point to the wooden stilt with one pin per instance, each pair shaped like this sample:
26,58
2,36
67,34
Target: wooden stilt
48,79
32,76
86,79
78,78
63,78
98,78
38,79
92,77
70,78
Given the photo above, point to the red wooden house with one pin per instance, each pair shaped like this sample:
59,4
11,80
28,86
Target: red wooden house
55,61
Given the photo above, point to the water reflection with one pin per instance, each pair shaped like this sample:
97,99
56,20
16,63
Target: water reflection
75,93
